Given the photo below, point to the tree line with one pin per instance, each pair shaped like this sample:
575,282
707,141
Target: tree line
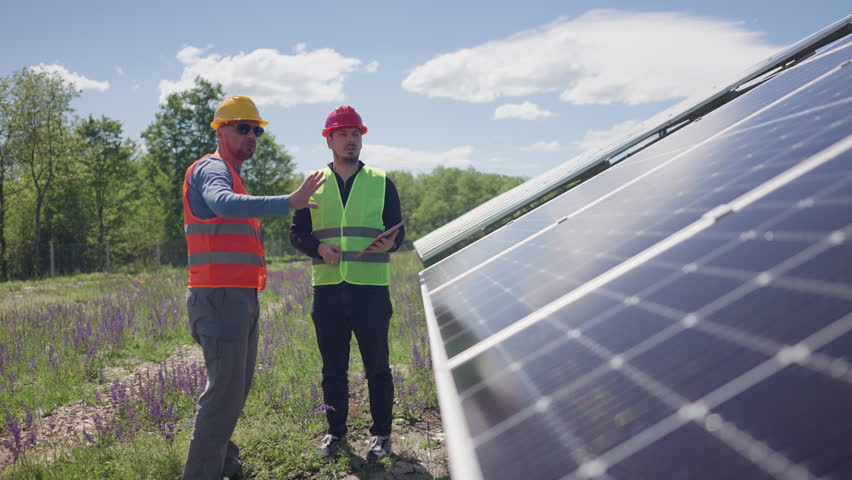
67,180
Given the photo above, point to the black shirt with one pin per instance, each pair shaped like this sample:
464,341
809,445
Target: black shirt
301,228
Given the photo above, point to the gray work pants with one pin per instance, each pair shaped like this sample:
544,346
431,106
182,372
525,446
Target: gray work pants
224,321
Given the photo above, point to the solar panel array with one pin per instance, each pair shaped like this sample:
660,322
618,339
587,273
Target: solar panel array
684,314
431,246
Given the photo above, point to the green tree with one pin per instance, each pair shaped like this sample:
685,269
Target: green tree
445,194
41,103
68,219
179,135
438,200
270,170
5,167
407,187
105,160
143,210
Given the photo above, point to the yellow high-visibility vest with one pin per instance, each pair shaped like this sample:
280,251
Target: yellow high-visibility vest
351,228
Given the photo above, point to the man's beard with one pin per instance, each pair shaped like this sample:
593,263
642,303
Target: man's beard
350,159
244,153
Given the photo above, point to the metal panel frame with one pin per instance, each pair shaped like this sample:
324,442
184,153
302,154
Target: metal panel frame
459,451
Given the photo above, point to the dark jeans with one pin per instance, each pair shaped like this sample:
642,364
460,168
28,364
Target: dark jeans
365,310
224,322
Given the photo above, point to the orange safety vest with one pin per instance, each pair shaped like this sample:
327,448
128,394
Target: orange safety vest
223,252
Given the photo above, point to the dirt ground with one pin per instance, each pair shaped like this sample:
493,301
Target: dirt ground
419,451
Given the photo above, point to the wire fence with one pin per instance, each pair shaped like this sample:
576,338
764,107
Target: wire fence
67,259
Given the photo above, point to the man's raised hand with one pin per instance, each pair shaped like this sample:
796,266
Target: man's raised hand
299,198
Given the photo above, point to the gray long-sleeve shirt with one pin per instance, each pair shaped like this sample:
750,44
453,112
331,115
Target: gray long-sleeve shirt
211,194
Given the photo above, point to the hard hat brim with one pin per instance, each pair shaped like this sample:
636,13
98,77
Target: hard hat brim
327,131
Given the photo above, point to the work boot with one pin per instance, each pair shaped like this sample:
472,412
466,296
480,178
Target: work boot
330,445
380,447
244,472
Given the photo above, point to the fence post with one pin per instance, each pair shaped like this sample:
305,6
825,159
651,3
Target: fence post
107,257
158,254
52,266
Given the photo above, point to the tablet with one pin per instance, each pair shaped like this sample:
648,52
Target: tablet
380,236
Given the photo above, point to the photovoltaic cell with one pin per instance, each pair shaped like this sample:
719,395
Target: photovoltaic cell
804,423
841,350
688,452
691,316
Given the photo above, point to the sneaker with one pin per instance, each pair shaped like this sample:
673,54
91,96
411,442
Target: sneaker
233,468
330,445
380,447
244,473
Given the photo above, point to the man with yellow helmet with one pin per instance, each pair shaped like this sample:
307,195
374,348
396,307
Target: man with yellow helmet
351,274
226,269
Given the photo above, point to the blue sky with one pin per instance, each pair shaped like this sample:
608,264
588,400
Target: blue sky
506,87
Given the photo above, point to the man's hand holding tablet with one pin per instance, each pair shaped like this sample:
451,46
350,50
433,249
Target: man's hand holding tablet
383,242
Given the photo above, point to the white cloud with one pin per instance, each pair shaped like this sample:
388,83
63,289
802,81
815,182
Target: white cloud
524,111
603,56
372,67
594,140
119,70
400,158
80,82
543,146
266,75
190,54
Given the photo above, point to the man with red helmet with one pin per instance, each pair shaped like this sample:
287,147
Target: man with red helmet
226,269
351,274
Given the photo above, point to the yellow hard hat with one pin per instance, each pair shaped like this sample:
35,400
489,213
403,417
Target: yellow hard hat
234,109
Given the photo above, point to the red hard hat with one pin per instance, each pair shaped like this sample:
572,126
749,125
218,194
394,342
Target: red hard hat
343,116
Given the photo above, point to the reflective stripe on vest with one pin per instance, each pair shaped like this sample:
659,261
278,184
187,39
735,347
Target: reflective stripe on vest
352,228
225,258
223,252
220,229
347,232
369,257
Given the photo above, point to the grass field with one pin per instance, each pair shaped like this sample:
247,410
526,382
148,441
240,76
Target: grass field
92,386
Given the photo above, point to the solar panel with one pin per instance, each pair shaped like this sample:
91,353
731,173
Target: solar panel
664,150
650,197
435,243
684,314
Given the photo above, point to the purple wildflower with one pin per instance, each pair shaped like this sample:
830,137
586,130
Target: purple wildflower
15,444
418,359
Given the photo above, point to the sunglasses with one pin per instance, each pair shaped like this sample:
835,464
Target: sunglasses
245,128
